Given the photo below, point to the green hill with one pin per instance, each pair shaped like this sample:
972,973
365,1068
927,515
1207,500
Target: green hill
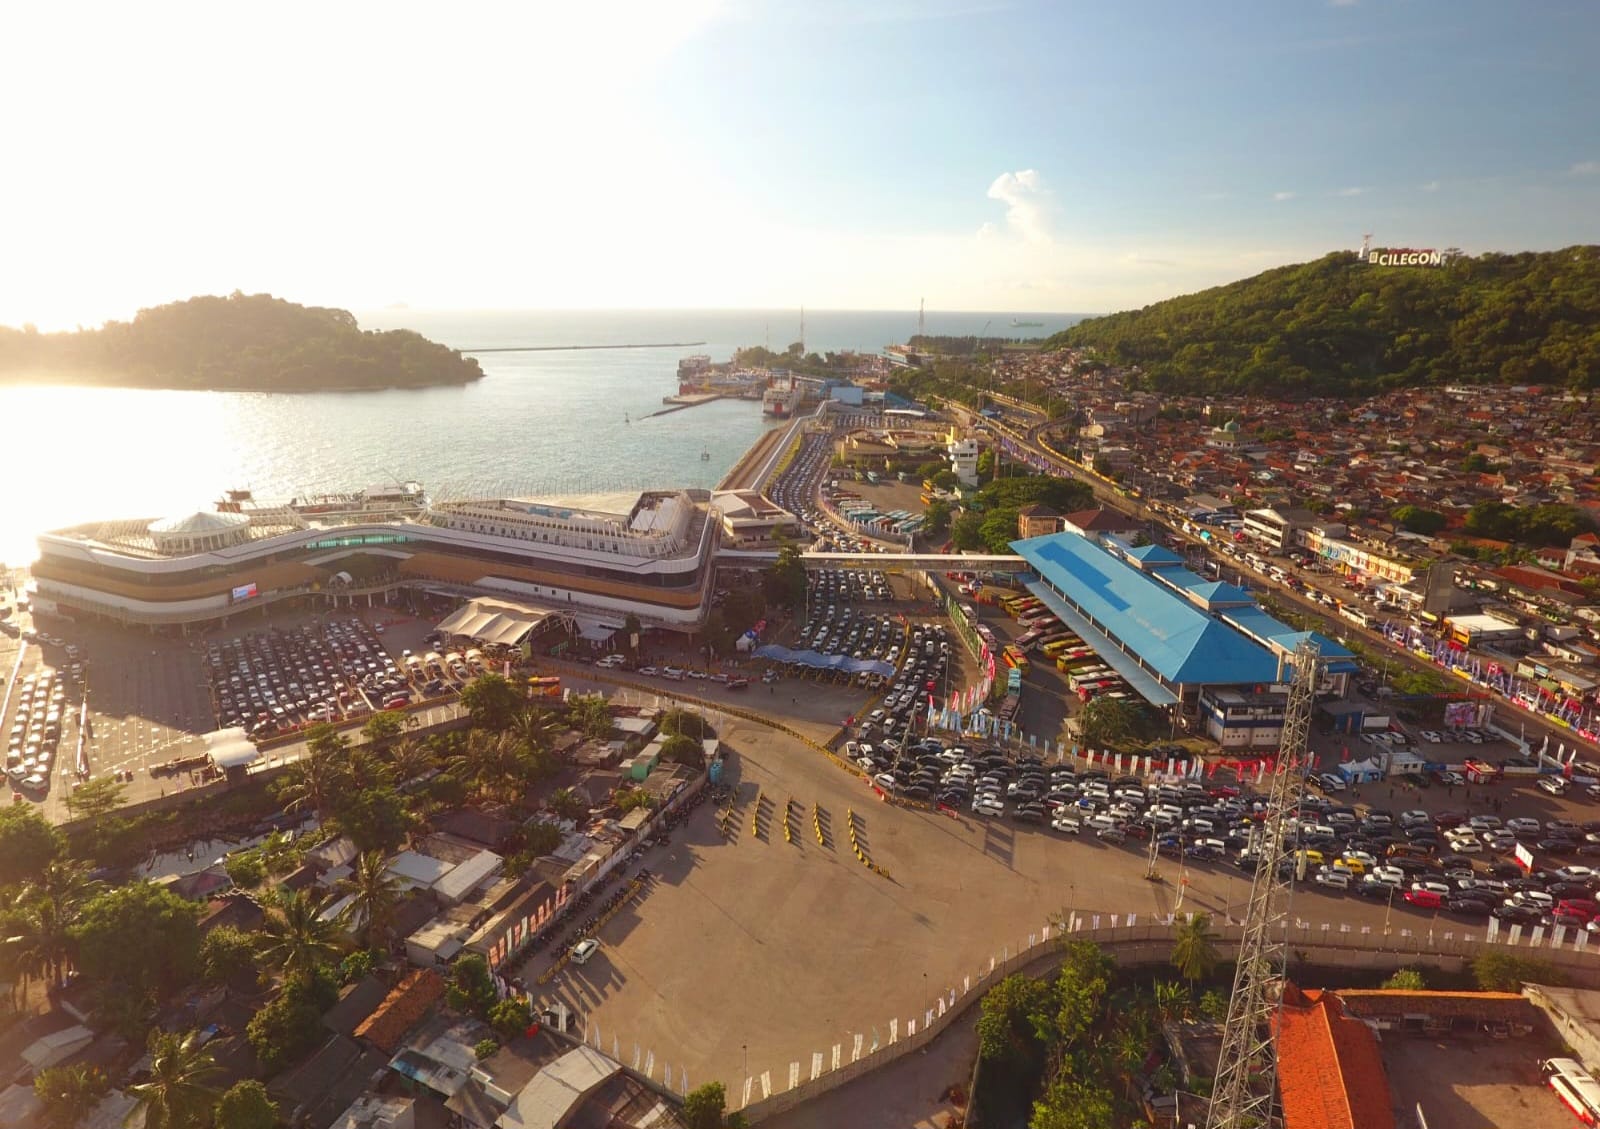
1340,326
242,342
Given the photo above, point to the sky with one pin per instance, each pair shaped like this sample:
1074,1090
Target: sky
838,154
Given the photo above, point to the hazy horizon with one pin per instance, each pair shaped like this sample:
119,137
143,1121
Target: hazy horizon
746,154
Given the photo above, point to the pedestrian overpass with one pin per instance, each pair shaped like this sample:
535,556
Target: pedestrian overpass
933,562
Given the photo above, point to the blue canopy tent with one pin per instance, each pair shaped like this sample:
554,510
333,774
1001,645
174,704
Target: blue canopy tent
818,661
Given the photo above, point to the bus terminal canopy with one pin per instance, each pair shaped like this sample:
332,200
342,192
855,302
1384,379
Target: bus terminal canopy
230,748
500,622
820,661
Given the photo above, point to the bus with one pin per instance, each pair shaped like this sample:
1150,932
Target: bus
1076,656
1574,1086
1015,658
1355,615
1039,617
1008,604
544,686
1079,678
1053,644
1091,690
1025,605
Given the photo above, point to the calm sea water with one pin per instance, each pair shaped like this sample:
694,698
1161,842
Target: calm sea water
546,423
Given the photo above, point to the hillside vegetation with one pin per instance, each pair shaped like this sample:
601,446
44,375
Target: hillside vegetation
1340,326
242,342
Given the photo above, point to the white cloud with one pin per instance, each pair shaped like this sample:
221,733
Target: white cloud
1280,197
1585,168
987,231
1431,186
1350,191
1026,199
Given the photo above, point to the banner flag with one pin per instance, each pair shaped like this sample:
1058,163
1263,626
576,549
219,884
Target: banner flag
766,1084
816,1065
855,1053
836,1049
794,1075
746,1101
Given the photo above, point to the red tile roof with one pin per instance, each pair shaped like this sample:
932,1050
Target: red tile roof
401,1009
1330,1074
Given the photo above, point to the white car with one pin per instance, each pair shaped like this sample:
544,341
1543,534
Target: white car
1466,846
1432,736
1389,875
1331,782
1523,825
1554,785
1066,824
1336,879
986,805
584,950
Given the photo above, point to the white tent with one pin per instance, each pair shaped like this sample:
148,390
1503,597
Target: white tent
230,748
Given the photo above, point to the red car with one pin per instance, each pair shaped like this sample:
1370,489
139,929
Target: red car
1425,899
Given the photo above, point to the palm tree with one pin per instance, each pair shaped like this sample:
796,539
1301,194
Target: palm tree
410,758
1172,1001
311,781
1128,1050
566,804
1193,954
536,728
45,943
296,938
178,1095
374,894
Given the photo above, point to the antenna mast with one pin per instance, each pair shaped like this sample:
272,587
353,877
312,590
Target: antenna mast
1246,1086
922,320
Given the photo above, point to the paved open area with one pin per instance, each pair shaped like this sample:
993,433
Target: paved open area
1477,1084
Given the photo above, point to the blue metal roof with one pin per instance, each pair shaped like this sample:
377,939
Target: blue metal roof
1255,623
1220,592
1169,635
1145,684
1181,578
1151,554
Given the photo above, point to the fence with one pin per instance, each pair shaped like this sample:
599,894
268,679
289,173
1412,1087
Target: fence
1129,942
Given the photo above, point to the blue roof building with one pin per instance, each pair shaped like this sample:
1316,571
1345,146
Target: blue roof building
1153,630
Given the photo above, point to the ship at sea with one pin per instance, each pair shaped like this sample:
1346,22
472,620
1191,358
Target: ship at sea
782,398
1015,324
402,500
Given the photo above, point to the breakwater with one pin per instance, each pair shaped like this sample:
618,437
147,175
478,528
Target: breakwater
578,348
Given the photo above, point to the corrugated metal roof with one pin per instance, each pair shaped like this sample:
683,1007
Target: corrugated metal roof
1172,637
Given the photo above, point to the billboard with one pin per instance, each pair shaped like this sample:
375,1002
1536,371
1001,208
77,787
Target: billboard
1405,257
245,592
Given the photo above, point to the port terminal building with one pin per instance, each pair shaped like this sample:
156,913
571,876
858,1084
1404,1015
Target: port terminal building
1200,648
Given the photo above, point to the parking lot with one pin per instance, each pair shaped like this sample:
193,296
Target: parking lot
1477,1084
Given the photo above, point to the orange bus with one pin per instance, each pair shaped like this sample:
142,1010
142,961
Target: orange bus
544,686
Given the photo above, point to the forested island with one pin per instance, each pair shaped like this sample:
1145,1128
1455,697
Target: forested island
244,342
1341,326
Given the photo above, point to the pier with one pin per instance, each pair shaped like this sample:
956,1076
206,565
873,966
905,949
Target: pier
576,348
684,400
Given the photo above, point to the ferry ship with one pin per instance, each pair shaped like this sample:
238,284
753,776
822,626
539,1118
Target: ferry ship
782,398
374,501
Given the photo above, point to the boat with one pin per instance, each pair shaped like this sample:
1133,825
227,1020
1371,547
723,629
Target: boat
781,399
1015,324
705,454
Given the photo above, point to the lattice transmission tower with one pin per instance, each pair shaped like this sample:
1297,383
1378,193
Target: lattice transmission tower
1244,1092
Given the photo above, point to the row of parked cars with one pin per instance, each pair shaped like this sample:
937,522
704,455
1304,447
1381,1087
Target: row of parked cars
35,730
280,679
847,586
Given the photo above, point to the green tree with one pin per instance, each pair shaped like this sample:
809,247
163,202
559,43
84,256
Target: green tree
290,1025
384,726
510,1017
313,780
936,517
1194,953
492,702
541,837
228,956
1107,722
374,897
1080,993
376,818
140,937
681,722
245,1105
1070,1103
966,532
986,464
96,798
566,804
471,988
1010,1018
785,580
683,750
704,1106
632,629
69,1094
1214,1005
1172,1001
410,758
295,938
1505,972
27,843
1418,520
178,1094
1407,980
590,714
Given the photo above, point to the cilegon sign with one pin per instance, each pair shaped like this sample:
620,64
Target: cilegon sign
1405,257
